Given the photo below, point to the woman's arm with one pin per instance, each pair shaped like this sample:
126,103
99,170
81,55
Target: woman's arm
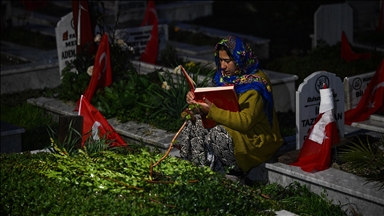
251,106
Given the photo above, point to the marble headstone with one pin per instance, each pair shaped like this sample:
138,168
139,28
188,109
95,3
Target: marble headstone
354,87
138,37
124,11
308,102
65,41
330,21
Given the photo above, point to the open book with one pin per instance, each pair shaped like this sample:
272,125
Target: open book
223,97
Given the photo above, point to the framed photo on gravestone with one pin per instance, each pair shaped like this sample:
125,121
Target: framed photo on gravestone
308,102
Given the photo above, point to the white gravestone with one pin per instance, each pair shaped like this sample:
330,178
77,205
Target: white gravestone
308,102
330,21
354,88
138,37
124,11
65,41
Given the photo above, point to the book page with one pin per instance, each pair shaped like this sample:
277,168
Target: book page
219,88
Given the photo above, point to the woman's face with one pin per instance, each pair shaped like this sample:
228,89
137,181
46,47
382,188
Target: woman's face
227,65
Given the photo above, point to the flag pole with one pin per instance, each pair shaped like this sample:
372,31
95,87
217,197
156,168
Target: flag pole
78,24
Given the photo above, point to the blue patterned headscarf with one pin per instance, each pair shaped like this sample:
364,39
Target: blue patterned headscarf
245,78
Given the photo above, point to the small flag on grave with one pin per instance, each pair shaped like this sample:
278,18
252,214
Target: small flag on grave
83,26
102,71
347,53
95,125
151,50
315,155
372,100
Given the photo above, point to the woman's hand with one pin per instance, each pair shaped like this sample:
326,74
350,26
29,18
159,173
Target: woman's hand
190,98
204,106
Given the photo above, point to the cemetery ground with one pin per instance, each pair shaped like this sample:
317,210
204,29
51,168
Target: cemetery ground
37,136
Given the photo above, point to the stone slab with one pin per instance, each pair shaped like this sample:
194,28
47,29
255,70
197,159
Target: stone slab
9,129
133,131
187,51
21,17
350,190
30,76
28,53
10,138
259,45
374,123
184,10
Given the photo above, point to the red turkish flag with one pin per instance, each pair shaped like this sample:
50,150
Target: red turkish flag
95,125
152,49
346,51
372,100
315,155
83,26
102,71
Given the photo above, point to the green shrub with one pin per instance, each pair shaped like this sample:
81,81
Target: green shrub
365,157
116,182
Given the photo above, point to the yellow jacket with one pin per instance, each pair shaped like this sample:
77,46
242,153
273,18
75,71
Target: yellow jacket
255,141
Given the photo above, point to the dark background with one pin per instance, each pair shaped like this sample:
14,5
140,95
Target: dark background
288,24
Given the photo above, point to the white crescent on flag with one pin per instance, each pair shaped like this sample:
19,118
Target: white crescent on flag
103,57
95,130
376,87
371,104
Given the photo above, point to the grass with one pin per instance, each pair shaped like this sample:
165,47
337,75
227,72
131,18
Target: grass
15,110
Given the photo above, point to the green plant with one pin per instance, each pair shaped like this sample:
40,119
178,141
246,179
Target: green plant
168,57
15,110
25,115
365,159
123,95
299,199
170,95
169,90
66,146
75,83
115,182
98,180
